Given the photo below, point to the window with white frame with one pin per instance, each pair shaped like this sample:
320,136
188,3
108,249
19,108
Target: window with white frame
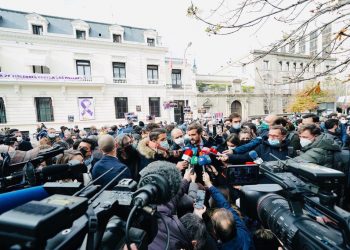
313,43
119,72
80,34
302,45
265,65
83,67
39,69
37,29
117,38
151,42
152,74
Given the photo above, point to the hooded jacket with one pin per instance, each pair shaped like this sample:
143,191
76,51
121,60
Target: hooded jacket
147,154
320,152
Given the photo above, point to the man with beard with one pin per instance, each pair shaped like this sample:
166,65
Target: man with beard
127,154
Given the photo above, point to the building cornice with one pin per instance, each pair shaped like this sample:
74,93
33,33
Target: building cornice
73,42
299,56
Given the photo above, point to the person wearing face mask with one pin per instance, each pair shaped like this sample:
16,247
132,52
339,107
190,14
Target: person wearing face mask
153,148
22,145
266,124
55,139
230,144
317,147
344,129
127,154
236,120
178,139
275,144
82,134
86,147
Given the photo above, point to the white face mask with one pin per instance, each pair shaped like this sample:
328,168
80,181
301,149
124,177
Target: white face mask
343,121
231,148
236,125
304,142
19,138
180,141
83,136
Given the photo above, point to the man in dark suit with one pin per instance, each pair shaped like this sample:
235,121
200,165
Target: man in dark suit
109,161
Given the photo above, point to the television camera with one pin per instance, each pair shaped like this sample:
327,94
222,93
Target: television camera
301,196
107,217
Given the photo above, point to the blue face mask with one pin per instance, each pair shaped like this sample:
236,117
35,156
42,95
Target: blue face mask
273,142
164,144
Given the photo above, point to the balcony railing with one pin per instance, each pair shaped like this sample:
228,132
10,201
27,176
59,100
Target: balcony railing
29,77
152,81
119,80
174,86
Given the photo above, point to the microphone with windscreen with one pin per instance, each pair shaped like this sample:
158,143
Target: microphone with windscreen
255,157
187,155
203,161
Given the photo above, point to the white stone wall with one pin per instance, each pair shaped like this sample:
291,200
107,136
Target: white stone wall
19,51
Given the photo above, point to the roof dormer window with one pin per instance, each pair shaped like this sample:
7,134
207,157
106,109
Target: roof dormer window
37,24
80,29
117,33
150,37
151,42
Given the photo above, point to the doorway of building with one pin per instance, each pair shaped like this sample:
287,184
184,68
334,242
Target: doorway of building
236,107
179,111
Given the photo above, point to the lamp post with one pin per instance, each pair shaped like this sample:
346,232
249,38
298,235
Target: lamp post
184,66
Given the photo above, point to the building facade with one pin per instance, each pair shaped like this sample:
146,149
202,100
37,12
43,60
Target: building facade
264,86
60,71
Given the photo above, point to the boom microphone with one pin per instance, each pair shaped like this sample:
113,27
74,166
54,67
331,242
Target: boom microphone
160,181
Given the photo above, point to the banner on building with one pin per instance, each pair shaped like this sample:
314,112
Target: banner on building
86,108
219,116
131,116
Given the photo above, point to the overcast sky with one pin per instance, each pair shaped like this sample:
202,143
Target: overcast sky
168,17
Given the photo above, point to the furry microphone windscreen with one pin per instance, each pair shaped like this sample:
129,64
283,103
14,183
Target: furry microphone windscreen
168,171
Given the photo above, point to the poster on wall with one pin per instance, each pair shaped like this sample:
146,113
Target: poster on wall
86,108
131,116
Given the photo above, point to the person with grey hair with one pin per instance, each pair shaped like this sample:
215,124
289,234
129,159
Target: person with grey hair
109,161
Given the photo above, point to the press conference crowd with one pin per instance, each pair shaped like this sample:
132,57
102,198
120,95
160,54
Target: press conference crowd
218,223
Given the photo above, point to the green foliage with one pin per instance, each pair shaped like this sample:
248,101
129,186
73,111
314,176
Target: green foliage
216,87
247,89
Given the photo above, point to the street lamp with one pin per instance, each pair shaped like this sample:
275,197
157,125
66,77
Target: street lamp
184,65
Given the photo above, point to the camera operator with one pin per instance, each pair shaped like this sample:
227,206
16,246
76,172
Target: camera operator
22,144
109,160
230,231
316,147
191,234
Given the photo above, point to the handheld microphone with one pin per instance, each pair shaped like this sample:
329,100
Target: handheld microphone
194,160
187,155
208,151
255,157
203,161
195,151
